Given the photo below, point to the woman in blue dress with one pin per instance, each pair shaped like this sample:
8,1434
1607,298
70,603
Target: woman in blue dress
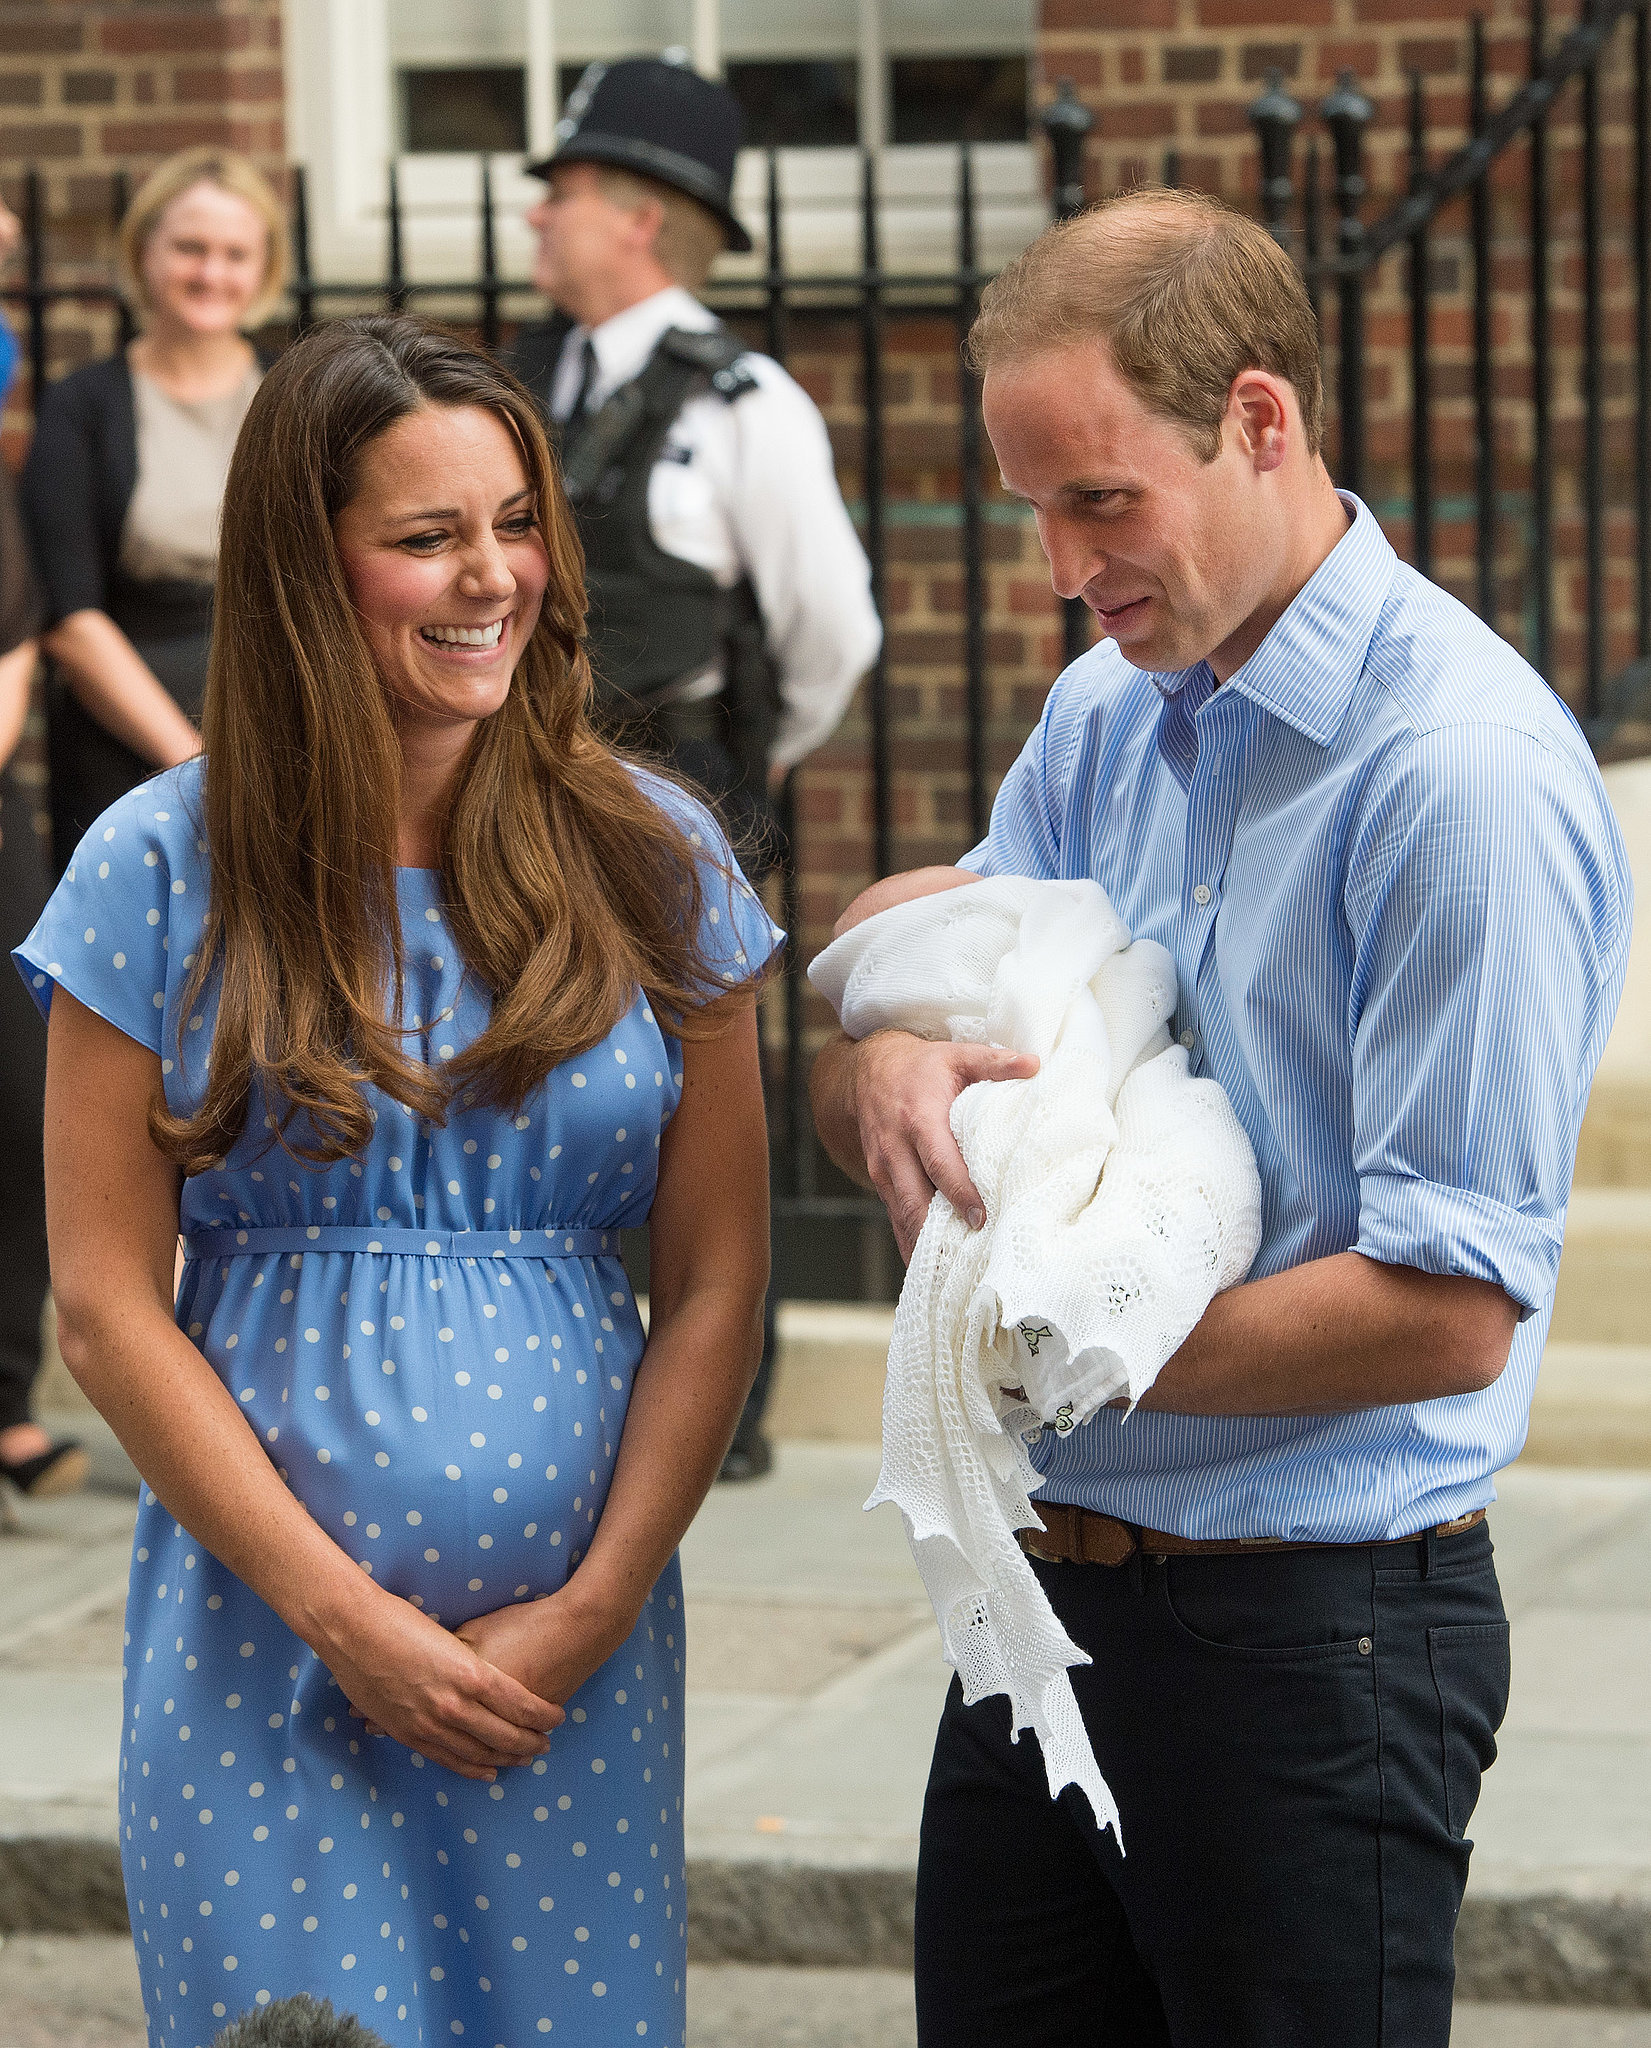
397,1007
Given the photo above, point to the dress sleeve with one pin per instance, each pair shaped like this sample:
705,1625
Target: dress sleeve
60,504
104,934
1487,903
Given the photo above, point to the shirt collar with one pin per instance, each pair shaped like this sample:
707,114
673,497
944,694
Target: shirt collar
1307,668
624,343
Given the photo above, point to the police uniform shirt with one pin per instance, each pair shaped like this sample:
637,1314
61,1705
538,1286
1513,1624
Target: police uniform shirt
747,488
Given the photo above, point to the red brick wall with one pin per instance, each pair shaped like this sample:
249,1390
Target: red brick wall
91,91
1180,74
924,622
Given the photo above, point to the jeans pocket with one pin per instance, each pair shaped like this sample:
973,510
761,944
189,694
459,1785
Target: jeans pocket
1471,1672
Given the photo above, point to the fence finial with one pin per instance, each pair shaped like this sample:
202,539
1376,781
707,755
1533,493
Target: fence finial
1347,113
1275,117
1067,122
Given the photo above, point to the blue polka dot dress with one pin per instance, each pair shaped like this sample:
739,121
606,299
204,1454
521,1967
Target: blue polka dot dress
434,1342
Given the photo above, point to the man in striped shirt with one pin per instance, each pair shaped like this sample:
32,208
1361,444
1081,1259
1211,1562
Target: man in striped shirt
1381,855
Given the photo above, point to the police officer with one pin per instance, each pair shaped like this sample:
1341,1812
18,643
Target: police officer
730,600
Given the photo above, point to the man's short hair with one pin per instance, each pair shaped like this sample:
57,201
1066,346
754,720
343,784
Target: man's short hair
690,239
1186,293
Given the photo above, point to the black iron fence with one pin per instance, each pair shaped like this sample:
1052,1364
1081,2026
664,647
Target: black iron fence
1346,265
1609,44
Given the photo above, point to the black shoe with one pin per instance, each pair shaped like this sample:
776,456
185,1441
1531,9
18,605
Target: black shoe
747,1458
61,1469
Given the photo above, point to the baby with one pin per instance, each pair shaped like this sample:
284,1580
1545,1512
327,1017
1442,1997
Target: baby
895,889
1118,1193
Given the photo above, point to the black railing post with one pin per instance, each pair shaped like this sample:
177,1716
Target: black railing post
1312,236
303,278
1642,325
1067,122
395,290
871,376
1346,113
1172,169
490,261
1593,395
126,325
799,1116
774,303
1542,490
968,462
1484,372
1421,380
1275,118
34,244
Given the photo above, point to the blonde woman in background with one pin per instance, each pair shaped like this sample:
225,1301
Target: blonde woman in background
126,475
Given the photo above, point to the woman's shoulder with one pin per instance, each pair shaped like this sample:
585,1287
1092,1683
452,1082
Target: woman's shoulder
157,825
690,814
99,387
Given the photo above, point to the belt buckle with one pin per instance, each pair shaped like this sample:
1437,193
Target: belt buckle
1029,1544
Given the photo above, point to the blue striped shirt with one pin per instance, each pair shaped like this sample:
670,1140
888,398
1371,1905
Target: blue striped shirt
1399,907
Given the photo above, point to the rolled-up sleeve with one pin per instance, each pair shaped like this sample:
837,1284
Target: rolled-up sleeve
1488,903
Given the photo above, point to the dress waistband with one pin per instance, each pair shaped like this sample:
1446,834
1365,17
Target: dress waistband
553,1243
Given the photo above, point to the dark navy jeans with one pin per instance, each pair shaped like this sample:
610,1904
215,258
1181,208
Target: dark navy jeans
1295,1740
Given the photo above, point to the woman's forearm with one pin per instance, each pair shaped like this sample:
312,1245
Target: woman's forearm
117,687
16,677
144,1377
1335,1335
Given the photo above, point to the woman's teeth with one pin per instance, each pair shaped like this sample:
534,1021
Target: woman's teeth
464,636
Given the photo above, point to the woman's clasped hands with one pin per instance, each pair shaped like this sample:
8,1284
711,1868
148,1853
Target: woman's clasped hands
483,1696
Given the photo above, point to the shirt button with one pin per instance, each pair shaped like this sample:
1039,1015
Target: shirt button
1188,1038
1201,895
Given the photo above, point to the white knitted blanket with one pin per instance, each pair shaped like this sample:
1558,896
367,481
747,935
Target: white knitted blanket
1121,1195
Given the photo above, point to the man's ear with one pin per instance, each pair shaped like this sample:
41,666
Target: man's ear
1258,406
649,218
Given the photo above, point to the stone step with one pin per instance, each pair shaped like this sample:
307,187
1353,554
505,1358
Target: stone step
1592,1407
828,1378
1605,1274
1614,1150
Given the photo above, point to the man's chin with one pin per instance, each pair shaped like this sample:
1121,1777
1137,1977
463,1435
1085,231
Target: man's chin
1152,651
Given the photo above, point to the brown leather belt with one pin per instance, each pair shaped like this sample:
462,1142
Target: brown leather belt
1074,1535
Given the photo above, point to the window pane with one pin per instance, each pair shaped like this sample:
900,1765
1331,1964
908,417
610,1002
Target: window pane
620,28
800,105
438,32
788,29
959,99
987,26
478,107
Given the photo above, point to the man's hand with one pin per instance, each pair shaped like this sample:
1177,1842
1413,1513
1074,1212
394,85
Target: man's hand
883,1110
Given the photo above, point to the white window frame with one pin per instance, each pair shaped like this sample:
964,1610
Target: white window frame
341,125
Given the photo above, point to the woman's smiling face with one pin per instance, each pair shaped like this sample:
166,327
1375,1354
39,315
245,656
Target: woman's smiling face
445,562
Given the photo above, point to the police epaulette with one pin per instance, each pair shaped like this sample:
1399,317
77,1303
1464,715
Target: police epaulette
734,382
717,352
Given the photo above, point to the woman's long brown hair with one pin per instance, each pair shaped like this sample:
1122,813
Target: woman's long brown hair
566,885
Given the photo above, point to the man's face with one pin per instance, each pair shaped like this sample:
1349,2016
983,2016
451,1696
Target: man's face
584,238
1172,554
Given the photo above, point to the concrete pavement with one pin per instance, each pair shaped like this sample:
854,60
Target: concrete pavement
60,1991
814,1683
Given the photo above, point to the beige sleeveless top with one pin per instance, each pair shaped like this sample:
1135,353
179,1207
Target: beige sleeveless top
171,527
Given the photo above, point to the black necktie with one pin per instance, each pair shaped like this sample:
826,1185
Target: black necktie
587,379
